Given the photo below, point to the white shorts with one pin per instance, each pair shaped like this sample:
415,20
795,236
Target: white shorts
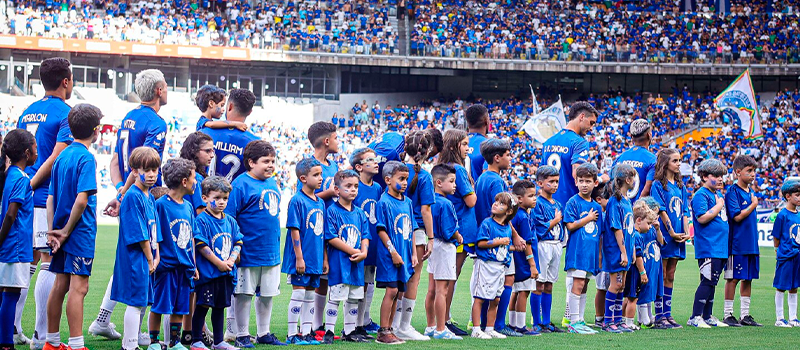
15,275
442,262
487,282
549,259
265,279
343,292
511,269
420,237
369,274
602,281
527,285
40,229
579,274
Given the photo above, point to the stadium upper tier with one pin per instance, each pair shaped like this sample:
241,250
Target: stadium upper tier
520,30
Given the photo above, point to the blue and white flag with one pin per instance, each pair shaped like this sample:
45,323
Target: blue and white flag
547,123
738,102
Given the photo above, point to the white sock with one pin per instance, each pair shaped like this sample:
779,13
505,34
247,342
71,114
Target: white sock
644,315
362,308
230,320
488,329
408,311
54,339
107,307
23,297
792,306
41,291
130,333
350,315
295,309
569,281
582,310
369,292
331,314
142,317
398,314
512,318
242,314
520,319
318,317
165,320
728,309
628,321
263,315
307,312
778,305
744,306
76,342
574,306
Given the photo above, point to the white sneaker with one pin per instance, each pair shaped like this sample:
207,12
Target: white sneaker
494,334
714,322
229,337
429,331
37,344
409,333
108,332
794,323
698,322
144,339
479,334
21,339
782,323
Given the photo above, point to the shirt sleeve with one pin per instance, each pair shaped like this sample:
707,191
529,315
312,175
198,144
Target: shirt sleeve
294,217
381,216
685,199
155,137
19,190
202,122
201,234
580,154
571,212
658,193
448,221
236,233
651,172
197,197
699,204
616,217
539,225
732,202
132,213
524,229
234,206
425,188
365,231
483,233
777,227
410,211
463,186
64,134
330,227
87,175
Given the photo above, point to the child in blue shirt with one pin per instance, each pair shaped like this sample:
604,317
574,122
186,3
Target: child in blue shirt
582,220
785,232
644,282
304,258
173,280
347,234
72,199
211,102
600,196
492,263
548,227
198,148
396,258
525,262
743,260
710,240
218,243
16,233
255,203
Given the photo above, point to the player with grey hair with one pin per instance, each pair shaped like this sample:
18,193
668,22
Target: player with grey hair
640,158
150,84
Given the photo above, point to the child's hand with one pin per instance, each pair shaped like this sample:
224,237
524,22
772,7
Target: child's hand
558,216
300,266
754,199
325,267
720,201
358,257
231,262
239,125
414,261
623,260
151,265
459,239
222,266
644,278
592,215
428,250
196,275
504,241
397,260
519,243
534,272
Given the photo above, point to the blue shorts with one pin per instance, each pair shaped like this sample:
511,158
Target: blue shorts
672,250
400,286
305,280
633,284
522,270
69,264
742,267
172,290
215,293
787,274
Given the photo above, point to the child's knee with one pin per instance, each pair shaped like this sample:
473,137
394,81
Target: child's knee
391,294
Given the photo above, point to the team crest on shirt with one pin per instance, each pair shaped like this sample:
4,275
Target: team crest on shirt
723,214
153,233
591,227
635,189
554,160
501,252
402,225
270,200
222,245
629,223
652,251
794,233
556,231
676,204
350,234
368,206
160,136
326,183
184,232
315,222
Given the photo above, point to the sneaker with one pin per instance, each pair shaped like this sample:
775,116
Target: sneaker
624,328
224,346
328,338
354,337
409,333
372,327
386,336
526,331
611,328
554,329
21,339
244,342
564,322
731,321
673,323
582,328
311,339
446,335
479,334
782,323
319,333
229,337
635,327
794,323
661,324
154,346
698,322
360,330
48,346
429,331
598,323
144,339
37,344
469,325
108,332
178,346
542,329
749,321
508,332
269,339
296,339
453,327
495,334
714,322
198,346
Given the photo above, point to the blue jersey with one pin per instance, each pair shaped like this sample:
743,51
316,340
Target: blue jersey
220,235
176,221
328,172
644,162
583,244
74,171
306,215
196,199
138,213
47,120
488,186
786,229
367,199
201,123
672,200
256,206
743,238
522,224
619,216
562,151
475,158
467,224
229,146
18,245
350,226
648,248
445,225
395,216
710,239
141,127
489,230
543,213
423,194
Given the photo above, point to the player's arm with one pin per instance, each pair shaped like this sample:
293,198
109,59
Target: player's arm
659,235
61,235
236,252
470,200
575,225
206,252
224,124
745,212
298,251
148,254
339,244
493,243
113,168
642,271
8,220
621,245
711,213
397,260
328,193
531,261
44,171
646,190
50,208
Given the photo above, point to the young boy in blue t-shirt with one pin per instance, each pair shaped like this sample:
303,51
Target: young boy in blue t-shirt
548,227
525,262
304,259
785,232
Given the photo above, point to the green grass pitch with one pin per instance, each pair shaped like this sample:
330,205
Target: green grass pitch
687,277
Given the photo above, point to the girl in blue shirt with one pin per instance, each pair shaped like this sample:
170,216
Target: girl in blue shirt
787,268
16,232
199,148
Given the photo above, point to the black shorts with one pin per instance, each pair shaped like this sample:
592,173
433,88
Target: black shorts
215,293
401,286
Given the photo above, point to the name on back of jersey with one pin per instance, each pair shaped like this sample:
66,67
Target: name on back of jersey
34,118
228,147
634,163
556,149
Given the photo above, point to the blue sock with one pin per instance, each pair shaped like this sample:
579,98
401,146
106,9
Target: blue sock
667,302
547,304
484,313
659,304
618,309
502,308
8,307
536,308
611,299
